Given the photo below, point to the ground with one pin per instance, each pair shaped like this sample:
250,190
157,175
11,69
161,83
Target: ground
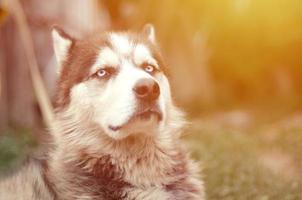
262,163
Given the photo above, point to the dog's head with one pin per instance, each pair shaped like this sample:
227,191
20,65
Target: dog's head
116,81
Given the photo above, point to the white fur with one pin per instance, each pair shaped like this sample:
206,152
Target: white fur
150,32
106,57
115,103
142,54
121,43
112,103
61,47
25,184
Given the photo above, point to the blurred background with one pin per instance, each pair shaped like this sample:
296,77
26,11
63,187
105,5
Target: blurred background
236,69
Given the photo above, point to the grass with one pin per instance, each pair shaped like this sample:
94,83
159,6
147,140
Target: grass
262,163
259,164
15,145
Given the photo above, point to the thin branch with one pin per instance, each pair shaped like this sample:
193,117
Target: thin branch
17,12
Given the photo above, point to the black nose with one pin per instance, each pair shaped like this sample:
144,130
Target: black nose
146,89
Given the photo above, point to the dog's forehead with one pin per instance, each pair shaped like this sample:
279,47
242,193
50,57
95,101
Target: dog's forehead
124,44
121,43
120,47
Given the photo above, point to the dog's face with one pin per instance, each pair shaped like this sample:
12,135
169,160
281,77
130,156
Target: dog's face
117,78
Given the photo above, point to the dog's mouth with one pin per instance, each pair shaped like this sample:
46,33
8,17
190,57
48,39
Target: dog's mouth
145,114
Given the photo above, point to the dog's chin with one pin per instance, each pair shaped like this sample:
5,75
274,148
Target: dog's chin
140,123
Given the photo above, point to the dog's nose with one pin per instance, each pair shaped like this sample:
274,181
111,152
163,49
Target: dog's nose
146,89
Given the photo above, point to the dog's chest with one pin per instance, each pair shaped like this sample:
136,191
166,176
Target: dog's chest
141,179
161,194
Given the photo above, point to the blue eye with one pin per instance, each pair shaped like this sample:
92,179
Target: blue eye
102,73
149,68
105,72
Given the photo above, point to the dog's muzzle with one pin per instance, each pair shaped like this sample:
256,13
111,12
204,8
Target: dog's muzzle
146,91
142,114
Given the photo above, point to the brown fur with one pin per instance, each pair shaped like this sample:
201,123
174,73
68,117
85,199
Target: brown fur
125,170
85,163
82,55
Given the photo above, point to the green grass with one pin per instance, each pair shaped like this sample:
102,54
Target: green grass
15,145
259,164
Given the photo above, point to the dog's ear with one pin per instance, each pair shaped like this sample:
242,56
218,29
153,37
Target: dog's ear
149,32
62,43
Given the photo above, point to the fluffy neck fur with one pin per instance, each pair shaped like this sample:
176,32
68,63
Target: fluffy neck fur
111,169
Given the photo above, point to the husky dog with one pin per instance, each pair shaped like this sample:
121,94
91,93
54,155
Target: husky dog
116,130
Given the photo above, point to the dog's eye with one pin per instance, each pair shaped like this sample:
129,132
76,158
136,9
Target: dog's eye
149,68
102,73
105,72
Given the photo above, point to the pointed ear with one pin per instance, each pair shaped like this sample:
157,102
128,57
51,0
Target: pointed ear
149,32
62,43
